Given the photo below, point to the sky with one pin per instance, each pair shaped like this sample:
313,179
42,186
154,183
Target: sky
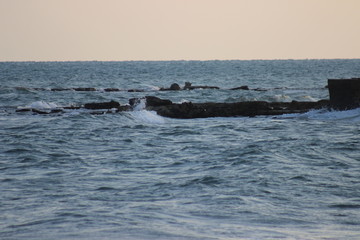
118,30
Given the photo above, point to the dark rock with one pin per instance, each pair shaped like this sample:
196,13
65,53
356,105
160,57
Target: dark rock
188,86
111,90
135,90
40,111
155,101
103,105
23,110
151,101
240,88
344,93
60,89
134,101
250,109
175,87
85,89
46,112
259,89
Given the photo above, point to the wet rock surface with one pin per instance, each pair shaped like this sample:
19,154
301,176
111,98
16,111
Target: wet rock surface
247,109
102,105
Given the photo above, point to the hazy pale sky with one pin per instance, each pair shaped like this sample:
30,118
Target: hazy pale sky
60,30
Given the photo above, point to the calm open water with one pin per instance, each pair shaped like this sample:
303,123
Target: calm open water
136,175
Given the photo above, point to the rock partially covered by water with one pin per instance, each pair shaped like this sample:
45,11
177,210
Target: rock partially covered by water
85,89
249,109
240,88
102,105
188,86
150,101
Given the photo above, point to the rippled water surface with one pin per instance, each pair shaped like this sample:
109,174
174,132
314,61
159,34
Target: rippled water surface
136,175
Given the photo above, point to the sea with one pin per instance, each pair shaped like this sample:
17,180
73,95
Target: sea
136,175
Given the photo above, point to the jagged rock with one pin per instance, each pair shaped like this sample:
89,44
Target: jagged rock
187,85
103,105
134,101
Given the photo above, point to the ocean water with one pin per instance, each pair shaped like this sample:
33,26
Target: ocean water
137,175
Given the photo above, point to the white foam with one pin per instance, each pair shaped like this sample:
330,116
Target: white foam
152,88
139,113
281,98
141,105
42,105
184,101
147,117
309,98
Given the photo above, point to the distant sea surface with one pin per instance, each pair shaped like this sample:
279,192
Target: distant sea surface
137,175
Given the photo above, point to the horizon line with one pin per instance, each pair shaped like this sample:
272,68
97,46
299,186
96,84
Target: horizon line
180,60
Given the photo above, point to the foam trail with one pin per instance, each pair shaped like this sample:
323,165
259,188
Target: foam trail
352,115
323,114
152,88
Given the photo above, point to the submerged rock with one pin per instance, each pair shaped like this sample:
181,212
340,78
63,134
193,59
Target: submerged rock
188,86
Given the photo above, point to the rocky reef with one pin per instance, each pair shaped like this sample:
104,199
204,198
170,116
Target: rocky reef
186,110
344,95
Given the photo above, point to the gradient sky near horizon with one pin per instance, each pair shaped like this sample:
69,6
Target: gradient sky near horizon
72,30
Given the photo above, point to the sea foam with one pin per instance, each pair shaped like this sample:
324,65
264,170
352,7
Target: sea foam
146,116
42,105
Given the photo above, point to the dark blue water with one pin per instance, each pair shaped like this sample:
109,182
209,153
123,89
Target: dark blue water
136,175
